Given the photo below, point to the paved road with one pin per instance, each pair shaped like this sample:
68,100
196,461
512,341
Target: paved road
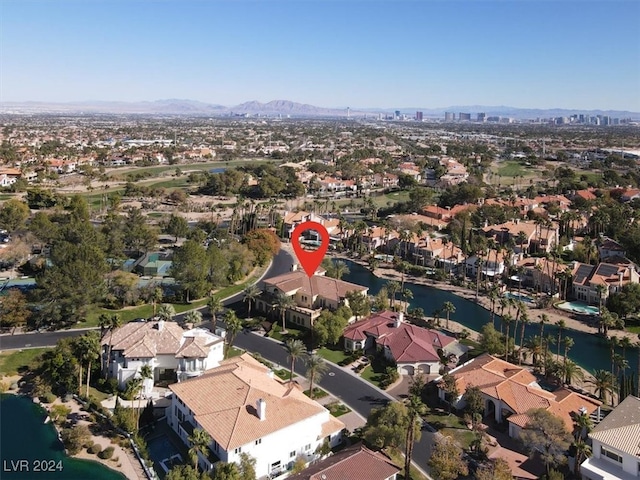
349,388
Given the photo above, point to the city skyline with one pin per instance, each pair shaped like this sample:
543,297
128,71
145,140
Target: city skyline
362,54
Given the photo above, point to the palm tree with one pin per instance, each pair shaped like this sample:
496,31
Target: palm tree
582,425
448,308
562,325
109,323
233,325
543,319
156,297
613,343
606,321
601,290
568,343
534,345
393,288
251,293
625,342
571,371
406,296
146,373
295,349
89,348
133,388
415,409
316,368
194,317
604,383
493,297
506,319
282,304
166,312
583,451
338,269
215,305
524,319
200,441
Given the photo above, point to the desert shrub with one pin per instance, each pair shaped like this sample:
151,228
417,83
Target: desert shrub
88,444
106,453
48,397
4,386
94,449
74,438
58,413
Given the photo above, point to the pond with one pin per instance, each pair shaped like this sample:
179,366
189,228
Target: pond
24,436
590,351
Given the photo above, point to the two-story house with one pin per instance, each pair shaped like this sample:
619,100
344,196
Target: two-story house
172,352
246,409
616,445
588,280
310,295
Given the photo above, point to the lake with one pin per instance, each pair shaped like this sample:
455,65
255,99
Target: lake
590,351
24,436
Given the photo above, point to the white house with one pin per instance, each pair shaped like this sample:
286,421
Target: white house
172,352
245,409
616,445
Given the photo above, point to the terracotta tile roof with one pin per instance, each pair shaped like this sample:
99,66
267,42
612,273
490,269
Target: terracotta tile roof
517,388
407,343
353,463
621,428
236,385
317,285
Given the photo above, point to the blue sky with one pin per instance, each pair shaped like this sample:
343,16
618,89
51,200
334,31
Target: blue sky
579,54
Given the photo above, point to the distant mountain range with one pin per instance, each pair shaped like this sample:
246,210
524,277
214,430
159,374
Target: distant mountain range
281,107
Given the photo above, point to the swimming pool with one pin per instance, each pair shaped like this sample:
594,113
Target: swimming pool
163,453
578,307
518,296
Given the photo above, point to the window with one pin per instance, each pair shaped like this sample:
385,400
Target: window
307,446
258,441
611,455
292,454
238,450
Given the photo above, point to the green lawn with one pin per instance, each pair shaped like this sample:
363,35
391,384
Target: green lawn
337,409
633,329
276,333
370,376
15,362
234,352
513,169
97,394
335,356
450,425
282,374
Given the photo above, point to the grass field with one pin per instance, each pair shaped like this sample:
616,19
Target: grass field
450,425
335,356
157,170
15,362
337,409
512,169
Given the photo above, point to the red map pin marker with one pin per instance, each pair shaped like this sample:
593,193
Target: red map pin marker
310,259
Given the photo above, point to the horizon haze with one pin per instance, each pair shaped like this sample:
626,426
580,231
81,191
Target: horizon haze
362,54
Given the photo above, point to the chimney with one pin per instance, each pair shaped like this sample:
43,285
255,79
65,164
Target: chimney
160,325
261,408
399,319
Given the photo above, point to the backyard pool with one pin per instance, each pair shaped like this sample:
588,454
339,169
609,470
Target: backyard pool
578,307
163,453
519,296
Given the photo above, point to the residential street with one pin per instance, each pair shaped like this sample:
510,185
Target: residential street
358,394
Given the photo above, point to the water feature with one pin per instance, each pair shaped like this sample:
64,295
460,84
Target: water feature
518,296
590,351
218,170
24,436
578,307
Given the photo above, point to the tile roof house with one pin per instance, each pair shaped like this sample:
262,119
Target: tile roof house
413,349
616,444
172,352
245,409
311,295
614,276
356,462
510,391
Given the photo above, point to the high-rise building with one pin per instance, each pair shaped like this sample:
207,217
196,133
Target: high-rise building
482,117
449,116
419,116
397,114
464,117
